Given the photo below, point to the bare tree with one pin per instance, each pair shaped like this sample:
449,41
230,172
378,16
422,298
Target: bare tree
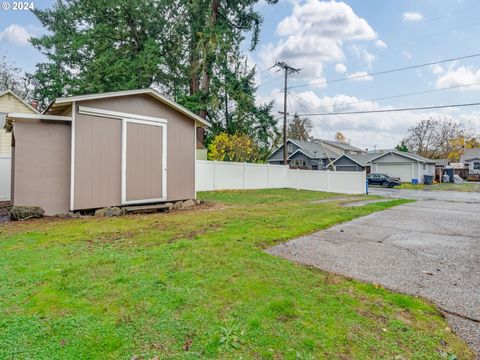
432,138
12,78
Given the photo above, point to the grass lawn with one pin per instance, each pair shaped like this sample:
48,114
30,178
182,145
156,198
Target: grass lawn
465,187
196,284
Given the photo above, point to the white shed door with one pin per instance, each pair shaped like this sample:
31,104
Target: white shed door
403,171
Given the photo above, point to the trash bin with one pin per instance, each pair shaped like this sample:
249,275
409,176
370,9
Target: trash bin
450,172
414,181
428,179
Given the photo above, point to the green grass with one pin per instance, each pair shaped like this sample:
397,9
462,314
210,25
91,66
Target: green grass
197,284
464,187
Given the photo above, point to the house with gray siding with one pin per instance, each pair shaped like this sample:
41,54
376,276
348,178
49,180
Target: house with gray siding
471,159
406,166
352,162
315,155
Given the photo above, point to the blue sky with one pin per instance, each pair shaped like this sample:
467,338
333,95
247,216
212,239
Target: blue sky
330,40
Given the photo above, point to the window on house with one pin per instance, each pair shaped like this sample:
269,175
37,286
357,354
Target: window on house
2,119
476,165
290,148
424,166
314,167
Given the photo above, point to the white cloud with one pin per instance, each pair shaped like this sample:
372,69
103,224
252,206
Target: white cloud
363,54
437,69
15,34
407,54
361,76
412,16
381,44
458,77
365,130
315,33
340,68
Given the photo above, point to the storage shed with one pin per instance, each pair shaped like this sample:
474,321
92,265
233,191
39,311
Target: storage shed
108,149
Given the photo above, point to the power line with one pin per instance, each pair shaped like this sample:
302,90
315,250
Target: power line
402,95
393,110
386,71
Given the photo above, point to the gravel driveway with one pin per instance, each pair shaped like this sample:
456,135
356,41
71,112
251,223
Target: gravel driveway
429,248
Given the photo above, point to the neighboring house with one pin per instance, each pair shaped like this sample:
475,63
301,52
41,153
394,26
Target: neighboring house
110,149
315,155
471,159
405,165
353,162
10,102
338,148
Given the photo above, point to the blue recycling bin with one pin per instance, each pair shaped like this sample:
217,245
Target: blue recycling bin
415,181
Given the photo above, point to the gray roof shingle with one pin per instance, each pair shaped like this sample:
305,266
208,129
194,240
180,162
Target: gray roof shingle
470,154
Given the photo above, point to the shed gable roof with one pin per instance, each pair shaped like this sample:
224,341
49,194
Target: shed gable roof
149,91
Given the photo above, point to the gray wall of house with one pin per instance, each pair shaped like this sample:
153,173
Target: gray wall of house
300,160
345,164
403,167
277,156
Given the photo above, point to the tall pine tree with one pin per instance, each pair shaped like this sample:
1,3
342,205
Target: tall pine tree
188,49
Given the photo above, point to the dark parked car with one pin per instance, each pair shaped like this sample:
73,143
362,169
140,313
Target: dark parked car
383,180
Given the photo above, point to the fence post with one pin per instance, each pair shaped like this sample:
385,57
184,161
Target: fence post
214,174
268,175
244,174
328,181
296,177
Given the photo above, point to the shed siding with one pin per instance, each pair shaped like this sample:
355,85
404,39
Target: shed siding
180,150
97,162
144,162
41,174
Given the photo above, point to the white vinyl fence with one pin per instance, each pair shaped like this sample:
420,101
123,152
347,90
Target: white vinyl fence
218,175
5,177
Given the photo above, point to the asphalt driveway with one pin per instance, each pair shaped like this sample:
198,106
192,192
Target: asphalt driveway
430,248
454,196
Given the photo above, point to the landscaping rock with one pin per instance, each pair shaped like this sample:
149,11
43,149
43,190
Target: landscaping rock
188,203
178,205
109,212
26,212
170,205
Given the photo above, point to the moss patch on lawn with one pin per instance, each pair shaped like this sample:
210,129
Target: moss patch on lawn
196,284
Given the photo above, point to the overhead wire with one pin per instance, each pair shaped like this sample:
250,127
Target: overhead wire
410,67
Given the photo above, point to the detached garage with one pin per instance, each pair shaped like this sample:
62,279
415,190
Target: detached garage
406,166
109,149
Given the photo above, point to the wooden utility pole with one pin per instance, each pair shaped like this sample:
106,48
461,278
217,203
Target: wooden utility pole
288,70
